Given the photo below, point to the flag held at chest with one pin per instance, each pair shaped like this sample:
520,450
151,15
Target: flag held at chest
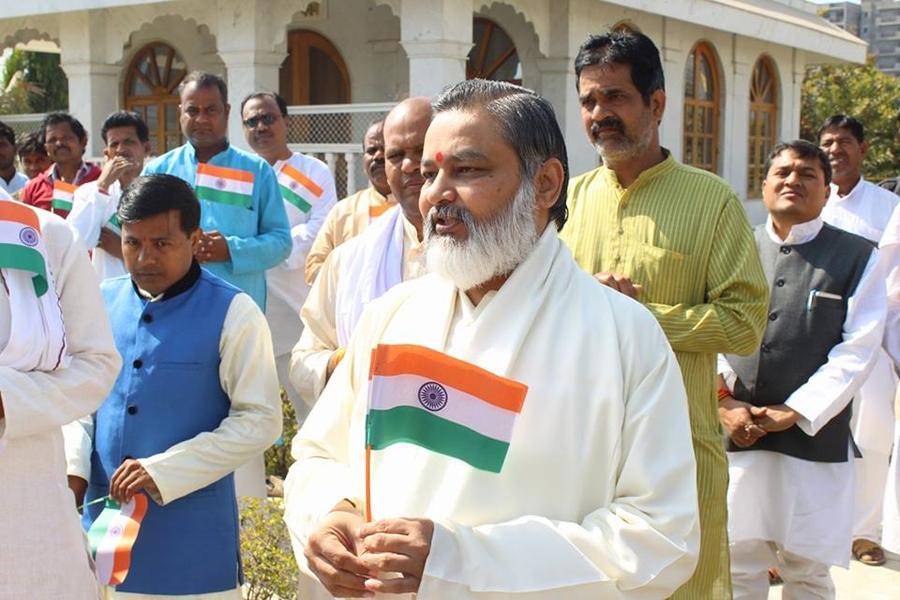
423,397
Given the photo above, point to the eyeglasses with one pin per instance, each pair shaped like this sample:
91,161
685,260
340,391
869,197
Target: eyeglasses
266,120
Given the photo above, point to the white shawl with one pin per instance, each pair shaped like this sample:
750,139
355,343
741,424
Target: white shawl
373,267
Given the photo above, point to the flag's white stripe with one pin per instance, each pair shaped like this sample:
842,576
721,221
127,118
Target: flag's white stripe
10,232
228,185
61,195
296,186
469,411
106,549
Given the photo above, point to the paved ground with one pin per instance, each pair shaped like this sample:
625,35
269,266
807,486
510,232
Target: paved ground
863,583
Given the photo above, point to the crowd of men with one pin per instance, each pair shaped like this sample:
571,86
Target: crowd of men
512,383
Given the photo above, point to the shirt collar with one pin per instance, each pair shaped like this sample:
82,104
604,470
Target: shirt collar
192,152
179,287
83,169
799,234
656,170
834,197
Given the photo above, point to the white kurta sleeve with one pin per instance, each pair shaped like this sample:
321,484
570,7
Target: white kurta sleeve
78,440
36,402
90,212
828,391
318,341
642,544
304,234
247,374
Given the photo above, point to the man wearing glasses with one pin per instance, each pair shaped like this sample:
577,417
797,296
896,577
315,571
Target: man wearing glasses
307,188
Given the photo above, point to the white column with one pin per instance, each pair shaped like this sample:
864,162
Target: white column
437,37
93,81
557,85
248,72
792,105
671,131
736,154
93,95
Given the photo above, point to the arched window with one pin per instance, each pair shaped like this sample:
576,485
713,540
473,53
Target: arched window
314,71
494,55
701,109
151,90
763,121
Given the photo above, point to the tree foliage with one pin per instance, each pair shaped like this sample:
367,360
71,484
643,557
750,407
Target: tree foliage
38,78
864,92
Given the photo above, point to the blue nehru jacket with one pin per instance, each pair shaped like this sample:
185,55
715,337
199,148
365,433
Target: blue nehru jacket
259,237
167,392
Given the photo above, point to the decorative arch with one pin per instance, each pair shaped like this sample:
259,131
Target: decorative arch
151,90
702,108
314,71
494,54
27,34
763,120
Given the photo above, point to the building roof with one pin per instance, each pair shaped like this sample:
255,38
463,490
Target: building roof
773,21
44,7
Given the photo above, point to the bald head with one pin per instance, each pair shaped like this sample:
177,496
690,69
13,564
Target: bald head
404,139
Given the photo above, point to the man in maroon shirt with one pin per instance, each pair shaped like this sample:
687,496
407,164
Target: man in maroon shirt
65,140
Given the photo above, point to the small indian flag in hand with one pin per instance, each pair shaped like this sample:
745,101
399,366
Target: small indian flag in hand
297,188
112,535
423,397
224,185
63,193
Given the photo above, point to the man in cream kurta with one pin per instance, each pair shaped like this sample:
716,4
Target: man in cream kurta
307,188
352,215
863,208
390,251
42,552
596,497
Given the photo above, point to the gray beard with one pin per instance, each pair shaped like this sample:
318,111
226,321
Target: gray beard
493,248
627,149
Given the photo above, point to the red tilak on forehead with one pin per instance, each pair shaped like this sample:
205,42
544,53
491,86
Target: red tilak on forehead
439,157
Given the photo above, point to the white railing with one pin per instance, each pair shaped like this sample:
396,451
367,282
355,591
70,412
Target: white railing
24,122
334,133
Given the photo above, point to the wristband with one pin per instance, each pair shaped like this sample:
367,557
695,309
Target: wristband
723,393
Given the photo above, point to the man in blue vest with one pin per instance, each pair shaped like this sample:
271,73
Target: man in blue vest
244,227
197,396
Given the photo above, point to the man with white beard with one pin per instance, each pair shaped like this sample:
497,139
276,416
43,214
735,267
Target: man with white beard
503,427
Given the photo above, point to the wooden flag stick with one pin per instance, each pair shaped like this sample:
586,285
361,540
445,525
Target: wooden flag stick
368,484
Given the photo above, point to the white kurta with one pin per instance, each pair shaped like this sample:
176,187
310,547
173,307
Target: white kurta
807,506
42,547
597,496
319,338
890,253
866,211
91,211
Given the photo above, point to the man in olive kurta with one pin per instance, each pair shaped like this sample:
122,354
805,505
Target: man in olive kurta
676,239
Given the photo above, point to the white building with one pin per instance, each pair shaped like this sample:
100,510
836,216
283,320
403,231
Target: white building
733,67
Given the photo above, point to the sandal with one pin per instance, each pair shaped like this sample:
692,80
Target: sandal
868,552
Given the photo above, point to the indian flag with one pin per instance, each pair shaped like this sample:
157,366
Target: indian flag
63,193
224,185
113,224
113,534
20,243
423,397
297,188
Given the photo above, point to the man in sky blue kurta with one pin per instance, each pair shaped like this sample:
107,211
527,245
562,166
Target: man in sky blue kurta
246,231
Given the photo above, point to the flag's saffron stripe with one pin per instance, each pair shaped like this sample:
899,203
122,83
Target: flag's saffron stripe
224,172
377,211
23,258
61,204
408,359
63,187
461,408
294,198
122,558
422,428
223,197
13,211
302,179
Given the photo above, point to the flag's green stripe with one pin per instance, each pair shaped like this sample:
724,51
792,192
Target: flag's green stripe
295,199
15,256
114,221
422,428
224,197
101,524
61,204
